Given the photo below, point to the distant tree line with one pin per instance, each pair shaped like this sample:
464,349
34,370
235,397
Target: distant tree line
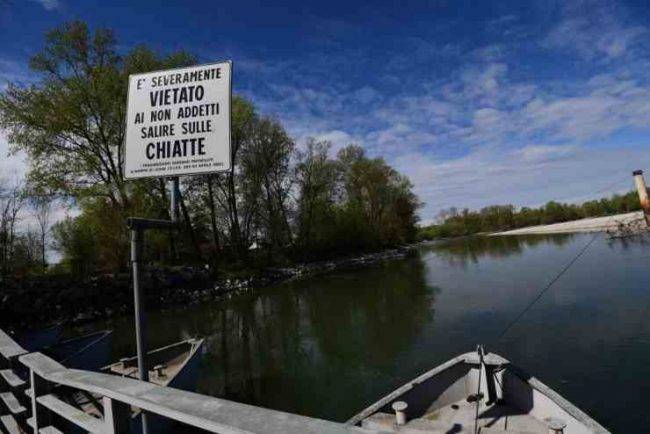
280,203
495,218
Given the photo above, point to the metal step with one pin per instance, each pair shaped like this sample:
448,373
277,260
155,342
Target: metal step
12,379
10,424
12,403
74,415
49,430
46,430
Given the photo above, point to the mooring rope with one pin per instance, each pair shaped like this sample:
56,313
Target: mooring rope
479,350
548,286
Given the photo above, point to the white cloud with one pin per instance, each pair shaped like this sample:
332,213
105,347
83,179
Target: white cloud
545,153
483,81
12,167
594,29
600,108
527,177
49,5
519,142
339,139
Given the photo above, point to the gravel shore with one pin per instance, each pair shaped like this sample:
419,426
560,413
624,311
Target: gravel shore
596,224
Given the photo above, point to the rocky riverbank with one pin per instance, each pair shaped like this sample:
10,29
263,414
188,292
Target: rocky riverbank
44,299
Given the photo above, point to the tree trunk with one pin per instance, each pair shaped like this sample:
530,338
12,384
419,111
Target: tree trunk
43,248
235,231
170,232
190,229
213,217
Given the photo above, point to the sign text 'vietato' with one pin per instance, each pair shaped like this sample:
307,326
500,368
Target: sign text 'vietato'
178,122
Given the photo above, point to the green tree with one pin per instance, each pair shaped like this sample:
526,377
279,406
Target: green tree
318,181
380,195
243,119
42,211
266,183
77,239
71,122
11,202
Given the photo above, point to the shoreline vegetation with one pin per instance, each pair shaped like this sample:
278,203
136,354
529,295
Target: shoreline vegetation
502,218
281,204
43,299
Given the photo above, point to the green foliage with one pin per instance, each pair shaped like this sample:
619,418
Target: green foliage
11,202
266,183
78,240
71,122
504,217
276,203
351,203
26,256
318,181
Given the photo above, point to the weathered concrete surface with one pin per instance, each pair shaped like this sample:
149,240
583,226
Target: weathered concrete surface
595,224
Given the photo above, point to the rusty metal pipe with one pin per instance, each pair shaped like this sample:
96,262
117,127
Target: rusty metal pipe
641,188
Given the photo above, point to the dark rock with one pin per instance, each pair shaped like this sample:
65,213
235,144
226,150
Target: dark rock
31,300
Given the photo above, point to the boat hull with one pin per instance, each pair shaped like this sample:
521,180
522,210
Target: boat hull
464,395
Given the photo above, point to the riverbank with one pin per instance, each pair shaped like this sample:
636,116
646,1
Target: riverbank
614,223
48,298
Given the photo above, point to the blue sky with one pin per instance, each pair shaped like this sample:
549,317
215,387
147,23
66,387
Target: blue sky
477,102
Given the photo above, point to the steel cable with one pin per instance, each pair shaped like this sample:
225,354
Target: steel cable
548,286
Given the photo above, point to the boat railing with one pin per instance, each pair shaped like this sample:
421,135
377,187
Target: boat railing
118,395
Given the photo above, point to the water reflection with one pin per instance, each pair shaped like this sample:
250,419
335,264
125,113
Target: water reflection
463,251
627,242
294,348
319,347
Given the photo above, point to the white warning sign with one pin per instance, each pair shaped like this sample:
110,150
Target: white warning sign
178,122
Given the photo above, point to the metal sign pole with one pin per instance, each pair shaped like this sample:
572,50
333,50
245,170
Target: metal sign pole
140,322
138,227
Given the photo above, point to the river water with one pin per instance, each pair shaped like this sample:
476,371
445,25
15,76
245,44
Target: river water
330,345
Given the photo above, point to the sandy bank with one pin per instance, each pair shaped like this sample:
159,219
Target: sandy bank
595,224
